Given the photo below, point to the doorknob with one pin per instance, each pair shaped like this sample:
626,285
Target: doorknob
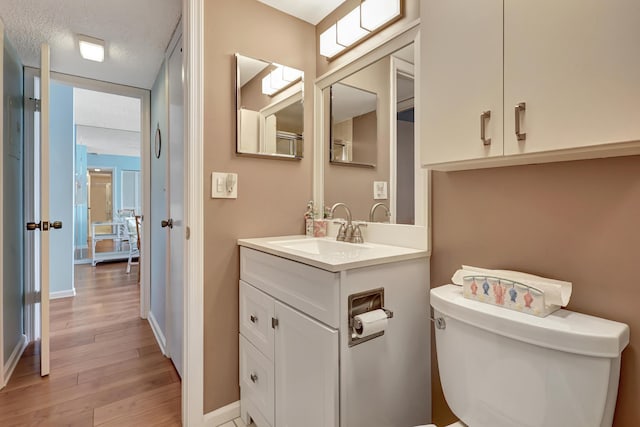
167,223
44,225
32,226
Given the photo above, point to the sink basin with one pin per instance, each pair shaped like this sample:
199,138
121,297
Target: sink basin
329,254
323,247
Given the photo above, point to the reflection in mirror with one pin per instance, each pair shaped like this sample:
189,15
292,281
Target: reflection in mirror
385,191
270,114
353,125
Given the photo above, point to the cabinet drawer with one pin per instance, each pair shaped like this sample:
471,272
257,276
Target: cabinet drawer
311,290
257,379
256,312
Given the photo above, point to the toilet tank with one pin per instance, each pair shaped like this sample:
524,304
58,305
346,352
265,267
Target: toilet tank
502,368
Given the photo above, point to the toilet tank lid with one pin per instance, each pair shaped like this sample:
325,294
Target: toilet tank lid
562,330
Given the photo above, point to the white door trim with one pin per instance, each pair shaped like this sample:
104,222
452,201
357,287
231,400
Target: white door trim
193,345
1,201
144,96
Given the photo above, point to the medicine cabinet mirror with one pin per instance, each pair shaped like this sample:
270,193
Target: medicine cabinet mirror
369,123
269,109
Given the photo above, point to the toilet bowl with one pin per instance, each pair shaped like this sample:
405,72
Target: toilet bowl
499,367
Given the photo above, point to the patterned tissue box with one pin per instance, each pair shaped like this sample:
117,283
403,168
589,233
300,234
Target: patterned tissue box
508,294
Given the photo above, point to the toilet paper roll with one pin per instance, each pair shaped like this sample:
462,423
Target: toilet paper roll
370,323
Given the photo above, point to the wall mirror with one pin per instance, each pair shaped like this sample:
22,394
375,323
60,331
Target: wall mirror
354,129
389,185
269,107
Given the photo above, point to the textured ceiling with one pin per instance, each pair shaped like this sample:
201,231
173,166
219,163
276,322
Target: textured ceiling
136,32
107,123
312,11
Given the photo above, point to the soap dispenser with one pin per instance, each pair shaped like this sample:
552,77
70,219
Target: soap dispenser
308,219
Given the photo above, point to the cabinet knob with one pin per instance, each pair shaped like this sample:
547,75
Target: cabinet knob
254,377
254,318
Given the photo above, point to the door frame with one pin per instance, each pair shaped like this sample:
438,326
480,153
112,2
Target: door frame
145,99
193,327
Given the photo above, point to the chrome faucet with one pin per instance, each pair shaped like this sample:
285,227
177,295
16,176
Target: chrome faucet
376,206
346,230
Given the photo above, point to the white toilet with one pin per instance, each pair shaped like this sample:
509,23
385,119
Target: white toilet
503,368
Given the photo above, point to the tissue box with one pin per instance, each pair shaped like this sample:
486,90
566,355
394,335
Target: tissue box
508,294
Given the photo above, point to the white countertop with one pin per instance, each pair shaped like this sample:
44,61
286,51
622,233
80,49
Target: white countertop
328,254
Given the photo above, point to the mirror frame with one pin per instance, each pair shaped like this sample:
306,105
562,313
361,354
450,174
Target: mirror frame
404,36
290,94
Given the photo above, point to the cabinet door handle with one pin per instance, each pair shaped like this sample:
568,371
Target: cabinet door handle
484,117
520,108
254,318
254,377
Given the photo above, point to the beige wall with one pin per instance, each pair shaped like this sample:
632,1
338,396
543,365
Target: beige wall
272,194
576,221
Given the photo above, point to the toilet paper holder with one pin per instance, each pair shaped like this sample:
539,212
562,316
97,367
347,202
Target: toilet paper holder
363,302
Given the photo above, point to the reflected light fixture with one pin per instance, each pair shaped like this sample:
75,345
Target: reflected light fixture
91,48
365,19
279,79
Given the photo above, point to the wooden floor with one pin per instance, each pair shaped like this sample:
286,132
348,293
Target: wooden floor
106,367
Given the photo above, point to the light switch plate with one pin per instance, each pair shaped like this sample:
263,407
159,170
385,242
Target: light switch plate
224,185
380,190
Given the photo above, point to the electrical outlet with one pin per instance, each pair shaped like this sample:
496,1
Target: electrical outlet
380,190
224,185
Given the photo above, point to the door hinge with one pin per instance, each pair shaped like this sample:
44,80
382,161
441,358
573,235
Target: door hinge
274,322
34,297
188,232
32,103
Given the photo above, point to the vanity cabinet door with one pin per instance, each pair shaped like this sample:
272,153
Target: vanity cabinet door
306,371
576,65
256,312
460,79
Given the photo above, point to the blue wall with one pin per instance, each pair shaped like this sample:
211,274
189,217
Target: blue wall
61,181
158,211
13,223
80,208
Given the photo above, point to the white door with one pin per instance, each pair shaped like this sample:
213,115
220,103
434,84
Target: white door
39,159
460,79
306,371
176,239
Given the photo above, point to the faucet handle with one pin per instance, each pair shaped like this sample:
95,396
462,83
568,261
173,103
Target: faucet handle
356,237
342,231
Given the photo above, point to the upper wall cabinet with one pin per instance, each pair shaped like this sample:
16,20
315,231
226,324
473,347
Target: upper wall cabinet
568,77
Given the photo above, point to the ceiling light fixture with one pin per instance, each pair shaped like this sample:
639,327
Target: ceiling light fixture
361,22
91,48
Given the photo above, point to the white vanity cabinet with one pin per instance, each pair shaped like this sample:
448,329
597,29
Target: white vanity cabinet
288,360
574,64
298,364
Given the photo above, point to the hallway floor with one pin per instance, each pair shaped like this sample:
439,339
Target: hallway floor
106,367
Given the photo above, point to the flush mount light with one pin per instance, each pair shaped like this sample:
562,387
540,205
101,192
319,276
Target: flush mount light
91,48
364,20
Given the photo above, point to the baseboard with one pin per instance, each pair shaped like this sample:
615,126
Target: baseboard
222,415
14,358
157,332
63,294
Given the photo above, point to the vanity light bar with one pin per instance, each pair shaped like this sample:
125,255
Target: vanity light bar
279,78
366,18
